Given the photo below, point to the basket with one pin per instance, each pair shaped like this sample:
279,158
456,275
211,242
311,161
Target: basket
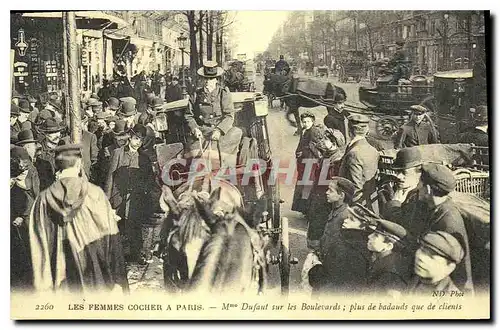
476,183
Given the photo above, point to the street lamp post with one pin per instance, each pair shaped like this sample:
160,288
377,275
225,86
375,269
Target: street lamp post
182,45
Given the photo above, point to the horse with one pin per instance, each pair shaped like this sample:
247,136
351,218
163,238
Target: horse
208,245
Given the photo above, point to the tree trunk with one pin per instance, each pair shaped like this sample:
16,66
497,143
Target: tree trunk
200,30
210,36
370,43
193,56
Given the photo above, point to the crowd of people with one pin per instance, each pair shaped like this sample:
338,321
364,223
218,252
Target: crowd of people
77,209
57,185
409,237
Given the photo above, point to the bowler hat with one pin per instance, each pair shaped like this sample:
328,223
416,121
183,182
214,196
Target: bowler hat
439,176
138,130
390,229
24,106
120,126
157,103
407,158
128,109
55,102
443,244
113,103
25,137
128,99
14,110
93,102
210,69
50,125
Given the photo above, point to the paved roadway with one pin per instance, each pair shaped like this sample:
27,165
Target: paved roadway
283,145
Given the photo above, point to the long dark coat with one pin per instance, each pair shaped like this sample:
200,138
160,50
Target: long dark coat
319,208
344,255
446,217
306,150
21,202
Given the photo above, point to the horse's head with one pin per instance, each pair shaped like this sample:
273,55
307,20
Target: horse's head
198,206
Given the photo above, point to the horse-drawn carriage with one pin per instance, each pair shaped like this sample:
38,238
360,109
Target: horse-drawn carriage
351,64
322,71
223,229
309,68
449,95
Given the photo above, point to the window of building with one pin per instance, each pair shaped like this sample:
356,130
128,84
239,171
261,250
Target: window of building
432,28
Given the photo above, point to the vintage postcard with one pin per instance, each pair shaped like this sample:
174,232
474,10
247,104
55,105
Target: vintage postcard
230,165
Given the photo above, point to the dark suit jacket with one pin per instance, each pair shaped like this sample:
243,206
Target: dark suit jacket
89,152
360,165
390,272
213,109
446,217
413,134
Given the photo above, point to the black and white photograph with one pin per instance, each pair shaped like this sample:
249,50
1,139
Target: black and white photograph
230,164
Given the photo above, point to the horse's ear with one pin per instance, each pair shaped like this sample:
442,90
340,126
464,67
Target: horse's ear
215,195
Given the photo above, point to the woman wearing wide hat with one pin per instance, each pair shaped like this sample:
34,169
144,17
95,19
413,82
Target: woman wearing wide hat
211,116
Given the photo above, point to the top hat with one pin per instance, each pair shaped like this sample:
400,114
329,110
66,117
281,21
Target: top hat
51,125
210,69
128,109
24,106
113,103
120,126
407,158
25,137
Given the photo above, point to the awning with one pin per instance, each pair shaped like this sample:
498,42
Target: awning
90,15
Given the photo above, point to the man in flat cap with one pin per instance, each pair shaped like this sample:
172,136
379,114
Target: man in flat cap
417,131
128,186
360,161
342,250
436,261
389,272
75,243
212,115
444,215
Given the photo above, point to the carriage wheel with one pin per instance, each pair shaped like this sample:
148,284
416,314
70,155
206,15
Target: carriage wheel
284,257
386,127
